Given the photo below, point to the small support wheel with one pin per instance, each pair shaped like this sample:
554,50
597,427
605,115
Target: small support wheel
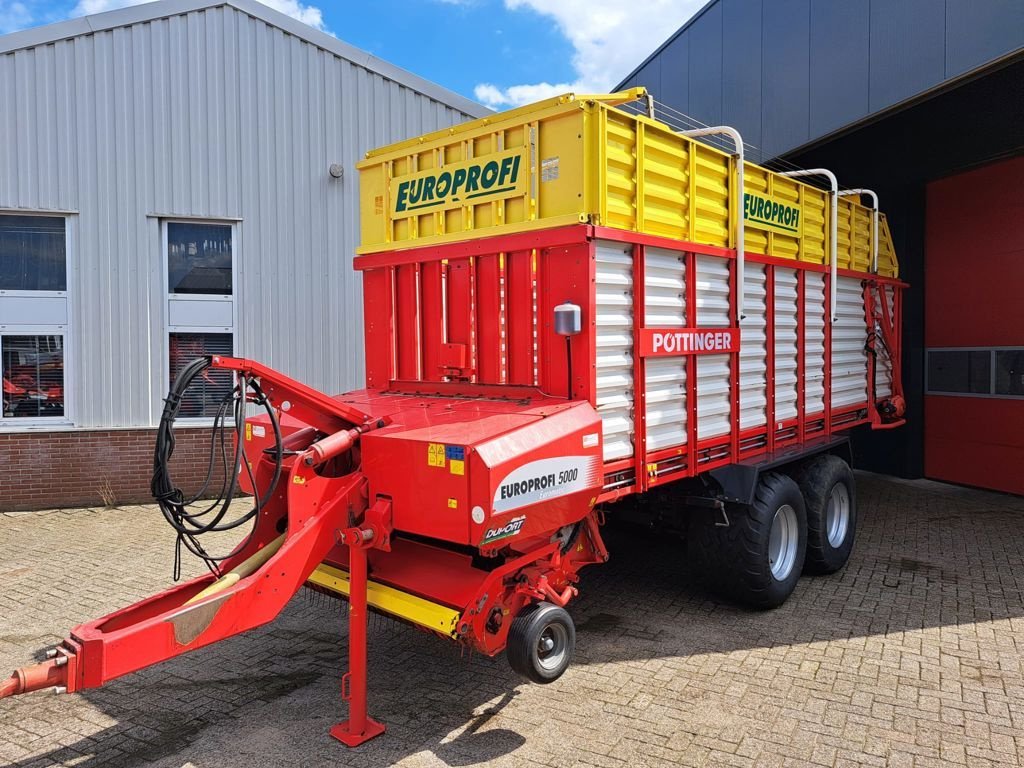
540,642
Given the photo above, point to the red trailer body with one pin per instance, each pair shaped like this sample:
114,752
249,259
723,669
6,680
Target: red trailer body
476,318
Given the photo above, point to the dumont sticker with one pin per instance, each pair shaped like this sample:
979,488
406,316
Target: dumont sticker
545,479
506,531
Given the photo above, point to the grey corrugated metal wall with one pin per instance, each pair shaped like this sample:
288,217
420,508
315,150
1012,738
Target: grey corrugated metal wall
787,72
216,114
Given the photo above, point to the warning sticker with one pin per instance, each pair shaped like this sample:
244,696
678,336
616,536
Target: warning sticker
248,431
457,467
453,503
435,455
549,169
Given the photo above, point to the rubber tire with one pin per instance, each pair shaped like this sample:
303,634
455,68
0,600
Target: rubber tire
734,558
524,635
816,479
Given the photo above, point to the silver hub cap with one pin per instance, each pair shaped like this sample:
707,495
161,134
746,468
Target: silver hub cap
837,515
782,542
552,646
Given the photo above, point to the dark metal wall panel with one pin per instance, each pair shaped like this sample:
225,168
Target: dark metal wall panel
824,64
906,49
839,32
785,75
675,75
649,76
706,66
741,67
977,32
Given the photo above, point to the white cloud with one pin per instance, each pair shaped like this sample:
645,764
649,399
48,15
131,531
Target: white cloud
609,39
307,14
87,7
14,16
518,94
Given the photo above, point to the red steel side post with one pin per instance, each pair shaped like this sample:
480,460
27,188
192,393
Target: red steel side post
359,727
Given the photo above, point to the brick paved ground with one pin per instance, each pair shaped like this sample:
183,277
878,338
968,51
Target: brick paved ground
910,656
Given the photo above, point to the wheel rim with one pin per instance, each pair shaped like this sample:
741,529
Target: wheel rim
552,646
782,542
837,515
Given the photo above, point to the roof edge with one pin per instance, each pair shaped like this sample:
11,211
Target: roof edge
689,23
152,11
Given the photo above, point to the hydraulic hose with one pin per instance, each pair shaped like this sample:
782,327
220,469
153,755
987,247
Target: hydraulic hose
183,514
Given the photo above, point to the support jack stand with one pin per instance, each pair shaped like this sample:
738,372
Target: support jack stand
359,727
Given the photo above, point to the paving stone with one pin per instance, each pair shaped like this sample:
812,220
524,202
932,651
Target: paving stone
912,655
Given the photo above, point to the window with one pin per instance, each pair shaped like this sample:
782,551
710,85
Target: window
33,376
204,397
976,372
199,258
200,308
1010,372
959,371
34,315
33,253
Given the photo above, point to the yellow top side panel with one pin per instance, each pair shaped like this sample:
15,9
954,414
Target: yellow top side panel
887,264
579,159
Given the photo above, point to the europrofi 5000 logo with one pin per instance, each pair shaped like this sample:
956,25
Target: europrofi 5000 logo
508,530
472,181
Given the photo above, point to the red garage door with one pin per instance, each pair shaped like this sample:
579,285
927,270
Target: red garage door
974,328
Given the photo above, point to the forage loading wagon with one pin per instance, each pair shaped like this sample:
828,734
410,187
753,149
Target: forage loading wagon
572,311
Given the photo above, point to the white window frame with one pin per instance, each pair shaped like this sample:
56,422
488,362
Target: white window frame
22,423
167,297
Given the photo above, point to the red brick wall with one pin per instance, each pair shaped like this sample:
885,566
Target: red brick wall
43,470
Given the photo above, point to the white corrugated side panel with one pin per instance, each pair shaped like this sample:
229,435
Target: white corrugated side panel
665,377
849,335
786,348
814,343
713,406
883,364
614,342
754,348
213,114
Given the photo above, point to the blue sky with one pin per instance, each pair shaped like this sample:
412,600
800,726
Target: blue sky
500,52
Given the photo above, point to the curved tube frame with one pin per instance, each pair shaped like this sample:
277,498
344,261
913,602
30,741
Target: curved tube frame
833,229
732,133
874,220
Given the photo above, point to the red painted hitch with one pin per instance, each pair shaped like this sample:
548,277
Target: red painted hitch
52,673
260,577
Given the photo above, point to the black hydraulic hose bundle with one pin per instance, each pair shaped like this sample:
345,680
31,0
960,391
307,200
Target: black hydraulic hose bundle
198,514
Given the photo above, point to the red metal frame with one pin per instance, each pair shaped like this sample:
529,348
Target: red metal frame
561,275
640,467
308,505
